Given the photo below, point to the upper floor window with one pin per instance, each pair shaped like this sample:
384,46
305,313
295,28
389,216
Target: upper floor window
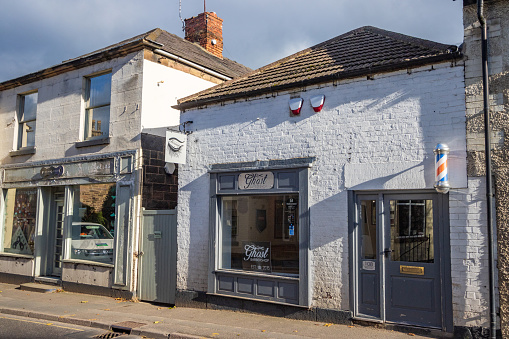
27,116
97,106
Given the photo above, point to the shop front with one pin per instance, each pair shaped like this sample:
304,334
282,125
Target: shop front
260,227
69,221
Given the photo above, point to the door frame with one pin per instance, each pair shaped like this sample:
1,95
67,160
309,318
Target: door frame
443,232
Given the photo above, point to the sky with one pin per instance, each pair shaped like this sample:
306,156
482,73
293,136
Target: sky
36,34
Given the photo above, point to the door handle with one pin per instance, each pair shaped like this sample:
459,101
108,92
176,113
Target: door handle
387,251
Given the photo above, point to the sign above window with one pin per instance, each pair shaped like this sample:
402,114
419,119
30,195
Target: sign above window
256,180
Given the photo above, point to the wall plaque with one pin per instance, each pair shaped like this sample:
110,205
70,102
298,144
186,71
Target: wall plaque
176,143
256,180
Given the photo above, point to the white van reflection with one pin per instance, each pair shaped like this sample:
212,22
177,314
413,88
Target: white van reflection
91,241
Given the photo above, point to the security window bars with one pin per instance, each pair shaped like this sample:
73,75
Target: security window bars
27,117
97,107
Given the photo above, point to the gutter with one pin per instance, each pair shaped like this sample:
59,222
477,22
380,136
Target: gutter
489,185
192,64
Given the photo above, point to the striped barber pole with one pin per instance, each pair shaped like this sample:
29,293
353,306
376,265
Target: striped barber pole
441,173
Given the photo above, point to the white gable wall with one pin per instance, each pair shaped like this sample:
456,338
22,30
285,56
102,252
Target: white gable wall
162,86
371,134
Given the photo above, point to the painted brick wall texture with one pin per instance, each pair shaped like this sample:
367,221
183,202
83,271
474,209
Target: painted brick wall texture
60,109
159,188
398,117
496,13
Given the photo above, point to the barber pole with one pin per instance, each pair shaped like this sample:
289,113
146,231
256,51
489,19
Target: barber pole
441,174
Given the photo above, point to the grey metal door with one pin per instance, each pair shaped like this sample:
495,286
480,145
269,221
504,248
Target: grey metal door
399,273
158,263
412,260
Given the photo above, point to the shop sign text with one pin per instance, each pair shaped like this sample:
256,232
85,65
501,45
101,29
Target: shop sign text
256,180
256,256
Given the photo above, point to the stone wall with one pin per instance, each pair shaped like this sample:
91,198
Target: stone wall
497,14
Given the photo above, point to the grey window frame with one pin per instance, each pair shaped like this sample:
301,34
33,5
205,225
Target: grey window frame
217,172
89,109
23,122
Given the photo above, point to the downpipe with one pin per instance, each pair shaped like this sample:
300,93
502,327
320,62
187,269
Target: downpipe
489,184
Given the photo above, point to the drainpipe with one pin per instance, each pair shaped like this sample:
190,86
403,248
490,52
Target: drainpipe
489,185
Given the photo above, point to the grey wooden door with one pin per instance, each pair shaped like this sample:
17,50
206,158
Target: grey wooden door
398,246
412,260
158,260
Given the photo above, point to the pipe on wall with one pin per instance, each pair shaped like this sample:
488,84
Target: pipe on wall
489,184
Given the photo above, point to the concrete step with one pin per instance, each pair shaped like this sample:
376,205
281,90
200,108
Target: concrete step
41,288
49,280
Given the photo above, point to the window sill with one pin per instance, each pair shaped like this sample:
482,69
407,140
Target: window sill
16,255
255,273
22,151
87,262
94,142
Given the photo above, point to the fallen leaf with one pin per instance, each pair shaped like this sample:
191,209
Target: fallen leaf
327,325
49,324
106,309
214,334
351,326
411,334
296,331
156,322
263,330
84,301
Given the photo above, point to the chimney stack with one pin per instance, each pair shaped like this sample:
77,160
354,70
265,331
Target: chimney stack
207,30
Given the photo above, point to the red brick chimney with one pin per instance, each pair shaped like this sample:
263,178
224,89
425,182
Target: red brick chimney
207,30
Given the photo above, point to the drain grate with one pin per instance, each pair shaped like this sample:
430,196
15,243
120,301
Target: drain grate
108,335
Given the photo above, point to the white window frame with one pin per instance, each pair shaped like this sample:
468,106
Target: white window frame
88,109
21,139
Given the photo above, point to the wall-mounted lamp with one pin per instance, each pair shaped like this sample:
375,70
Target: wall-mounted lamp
296,105
441,174
317,102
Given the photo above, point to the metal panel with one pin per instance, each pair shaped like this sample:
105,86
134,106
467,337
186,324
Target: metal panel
287,179
245,285
266,288
158,263
226,182
123,201
289,291
226,283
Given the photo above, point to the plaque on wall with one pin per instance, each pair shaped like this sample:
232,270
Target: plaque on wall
256,180
256,256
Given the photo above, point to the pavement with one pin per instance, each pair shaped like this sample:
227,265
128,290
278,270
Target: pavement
146,320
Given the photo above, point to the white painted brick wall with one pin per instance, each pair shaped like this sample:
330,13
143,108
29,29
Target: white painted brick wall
397,117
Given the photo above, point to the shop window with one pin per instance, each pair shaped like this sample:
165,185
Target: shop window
19,223
27,119
93,223
97,107
260,233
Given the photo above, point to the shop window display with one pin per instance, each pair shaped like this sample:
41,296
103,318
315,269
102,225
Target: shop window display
93,223
19,225
260,233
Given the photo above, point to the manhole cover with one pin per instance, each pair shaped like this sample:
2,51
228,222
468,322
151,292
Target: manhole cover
108,335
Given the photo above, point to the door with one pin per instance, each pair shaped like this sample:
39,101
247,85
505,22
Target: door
58,226
398,259
158,260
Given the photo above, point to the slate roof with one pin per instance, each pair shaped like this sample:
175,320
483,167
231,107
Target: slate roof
153,39
363,51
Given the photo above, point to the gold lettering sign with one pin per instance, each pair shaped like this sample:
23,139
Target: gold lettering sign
415,270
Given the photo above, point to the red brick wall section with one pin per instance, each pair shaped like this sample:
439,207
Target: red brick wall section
159,189
204,28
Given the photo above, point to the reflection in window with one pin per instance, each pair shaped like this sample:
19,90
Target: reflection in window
368,223
93,223
19,225
412,230
97,103
27,119
260,233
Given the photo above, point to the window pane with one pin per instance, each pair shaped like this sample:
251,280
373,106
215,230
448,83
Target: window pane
93,223
260,233
99,90
29,107
412,230
19,225
97,123
27,134
368,224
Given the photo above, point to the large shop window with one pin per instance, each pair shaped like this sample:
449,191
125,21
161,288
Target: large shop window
260,233
19,229
93,223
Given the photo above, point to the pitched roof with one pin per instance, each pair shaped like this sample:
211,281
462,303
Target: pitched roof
153,39
363,51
